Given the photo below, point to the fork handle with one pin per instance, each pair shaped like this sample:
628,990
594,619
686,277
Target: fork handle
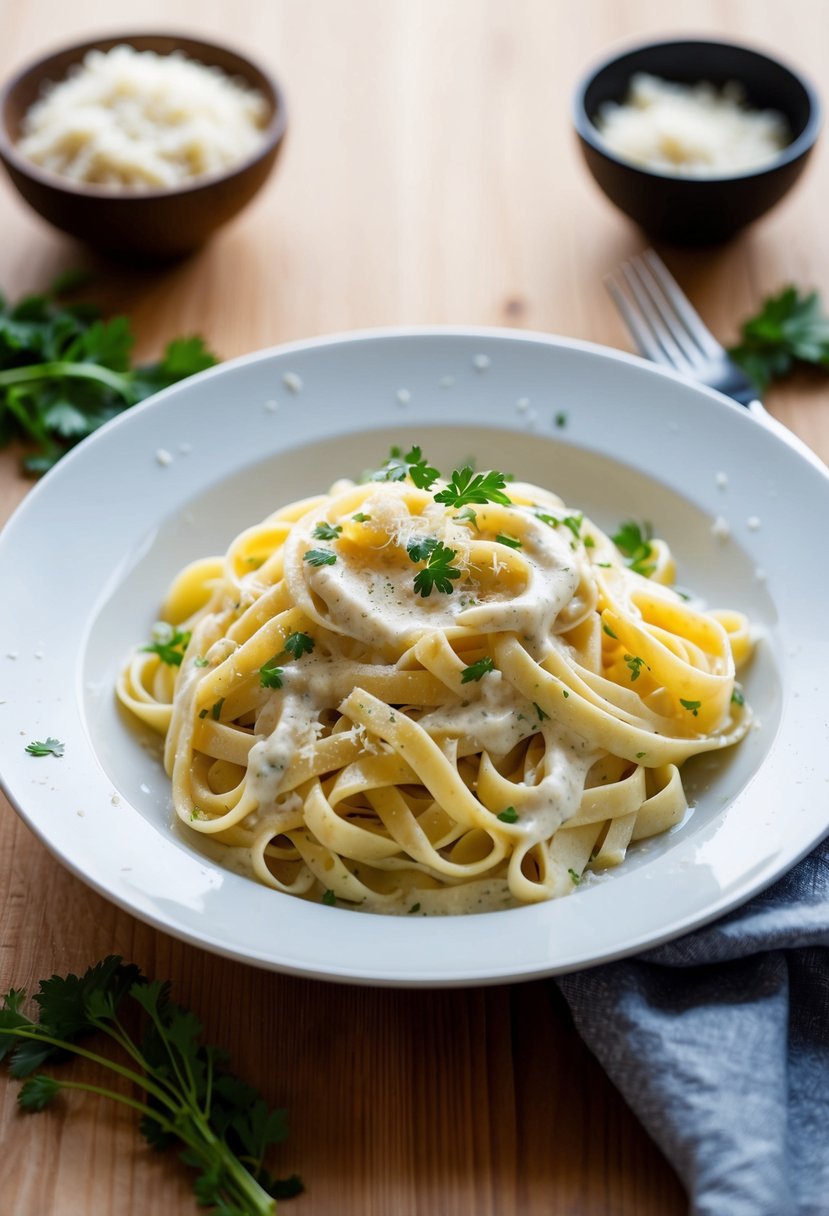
782,432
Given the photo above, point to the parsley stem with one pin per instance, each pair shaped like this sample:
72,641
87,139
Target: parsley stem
141,1107
142,1081
73,371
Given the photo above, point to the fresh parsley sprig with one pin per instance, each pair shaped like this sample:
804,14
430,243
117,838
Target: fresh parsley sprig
413,465
438,573
476,671
466,487
633,542
296,645
790,328
187,1096
168,643
64,372
51,747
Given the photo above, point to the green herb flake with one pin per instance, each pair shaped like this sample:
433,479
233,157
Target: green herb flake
216,710
319,557
477,671
467,487
329,898
200,662
633,542
438,572
414,908
203,713
737,697
576,878
168,643
560,420
298,644
467,516
606,628
635,664
52,747
512,542
640,755
540,712
693,706
270,675
326,531
360,518
413,465
508,815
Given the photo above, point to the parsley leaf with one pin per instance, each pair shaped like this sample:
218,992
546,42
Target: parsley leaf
508,815
168,643
466,487
320,557
270,676
635,664
790,328
52,747
512,542
181,1088
633,542
64,372
298,644
438,573
420,548
326,531
693,706
413,465
541,714
476,671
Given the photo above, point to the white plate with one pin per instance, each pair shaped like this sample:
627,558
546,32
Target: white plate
87,558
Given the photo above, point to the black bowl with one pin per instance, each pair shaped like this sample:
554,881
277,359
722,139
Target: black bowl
688,210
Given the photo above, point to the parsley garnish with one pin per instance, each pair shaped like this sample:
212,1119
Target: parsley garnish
320,557
467,516
438,572
216,711
576,878
737,697
508,815
609,632
360,518
298,644
790,328
693,706
574,523
169,644
414,908
52,747
632,541
181,1088
200,662
476,671
468,487
560,419
512,542
64,372
327,531
413,465
329,898
635,664
270,676
419,549
540,712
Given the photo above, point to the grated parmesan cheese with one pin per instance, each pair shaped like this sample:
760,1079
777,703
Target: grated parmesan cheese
136,120
691,130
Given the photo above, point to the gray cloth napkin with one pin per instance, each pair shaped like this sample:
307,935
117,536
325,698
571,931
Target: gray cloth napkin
719,1041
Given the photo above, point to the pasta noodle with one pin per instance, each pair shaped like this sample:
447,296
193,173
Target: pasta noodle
410,695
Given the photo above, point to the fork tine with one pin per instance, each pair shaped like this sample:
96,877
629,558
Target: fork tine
639,331
676,357
696,327
667,314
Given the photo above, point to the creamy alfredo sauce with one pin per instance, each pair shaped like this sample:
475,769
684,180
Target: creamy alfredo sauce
368,595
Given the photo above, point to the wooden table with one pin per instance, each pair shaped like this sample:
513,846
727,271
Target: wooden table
430,176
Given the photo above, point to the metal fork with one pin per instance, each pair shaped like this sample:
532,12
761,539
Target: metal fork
667,329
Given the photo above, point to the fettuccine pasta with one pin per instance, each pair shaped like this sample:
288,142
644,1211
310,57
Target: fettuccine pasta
416,696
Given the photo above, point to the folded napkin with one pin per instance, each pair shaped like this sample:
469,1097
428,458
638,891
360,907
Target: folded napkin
719,1042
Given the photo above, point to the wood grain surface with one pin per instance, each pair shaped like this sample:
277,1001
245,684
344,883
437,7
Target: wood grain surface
430,175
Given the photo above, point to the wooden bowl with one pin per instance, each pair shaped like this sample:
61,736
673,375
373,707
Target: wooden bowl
152,224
